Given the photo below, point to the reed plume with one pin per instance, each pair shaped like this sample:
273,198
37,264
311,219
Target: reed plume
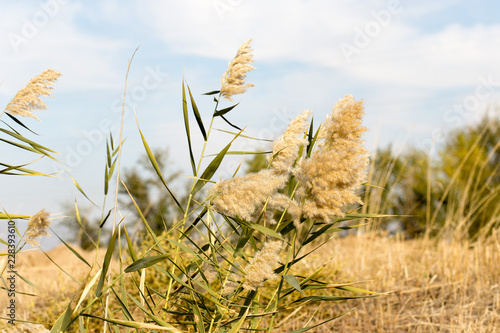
37,227
286,148
233,80
28,99
261,266
243,196
336,169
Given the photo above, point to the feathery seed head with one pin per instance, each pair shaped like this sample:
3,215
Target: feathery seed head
336,169
37,227
242,196
286,148
28,99
233,80
261,266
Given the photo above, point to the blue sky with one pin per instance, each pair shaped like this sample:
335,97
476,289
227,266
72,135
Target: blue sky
422,67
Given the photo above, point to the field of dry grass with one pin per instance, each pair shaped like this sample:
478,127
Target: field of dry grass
434,287
440,287
52,287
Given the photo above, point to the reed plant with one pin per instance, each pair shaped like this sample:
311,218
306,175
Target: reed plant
227,263
254,252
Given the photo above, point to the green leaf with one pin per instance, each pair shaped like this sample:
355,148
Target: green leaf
145,263
210,170
248,299
265,230
212,92
62,322
198,319
60,268
73,250
244,136
152,159
182,246
105,264
313,141
30,142
224,111
125,310
81,190
227,121
195,222
292,280
131,250
28,148
186,125
19,122
105,219
134,324
310,138
143,219
197,115
328,228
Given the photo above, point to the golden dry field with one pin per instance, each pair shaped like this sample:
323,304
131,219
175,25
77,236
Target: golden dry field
431,287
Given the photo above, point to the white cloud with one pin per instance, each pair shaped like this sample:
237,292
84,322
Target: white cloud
87,61
311,32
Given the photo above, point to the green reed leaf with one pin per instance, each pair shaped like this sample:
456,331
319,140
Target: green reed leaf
106,263
19,122
212,92
131,249
186,126
265,231
152,159
210,170
292,280
145,262
73,250
224,111
197,115
244,136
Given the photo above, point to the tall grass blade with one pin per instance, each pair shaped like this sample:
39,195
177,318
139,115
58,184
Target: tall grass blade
224,111
73,250
152,159
210,170
186,125
143,219
145,263
197,115
230,124
19,122
106,263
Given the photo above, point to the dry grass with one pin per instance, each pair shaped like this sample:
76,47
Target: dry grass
54,288
436,287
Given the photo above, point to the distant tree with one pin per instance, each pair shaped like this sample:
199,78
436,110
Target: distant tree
457,193
470,162
256,163
83,231
400,181
149,193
